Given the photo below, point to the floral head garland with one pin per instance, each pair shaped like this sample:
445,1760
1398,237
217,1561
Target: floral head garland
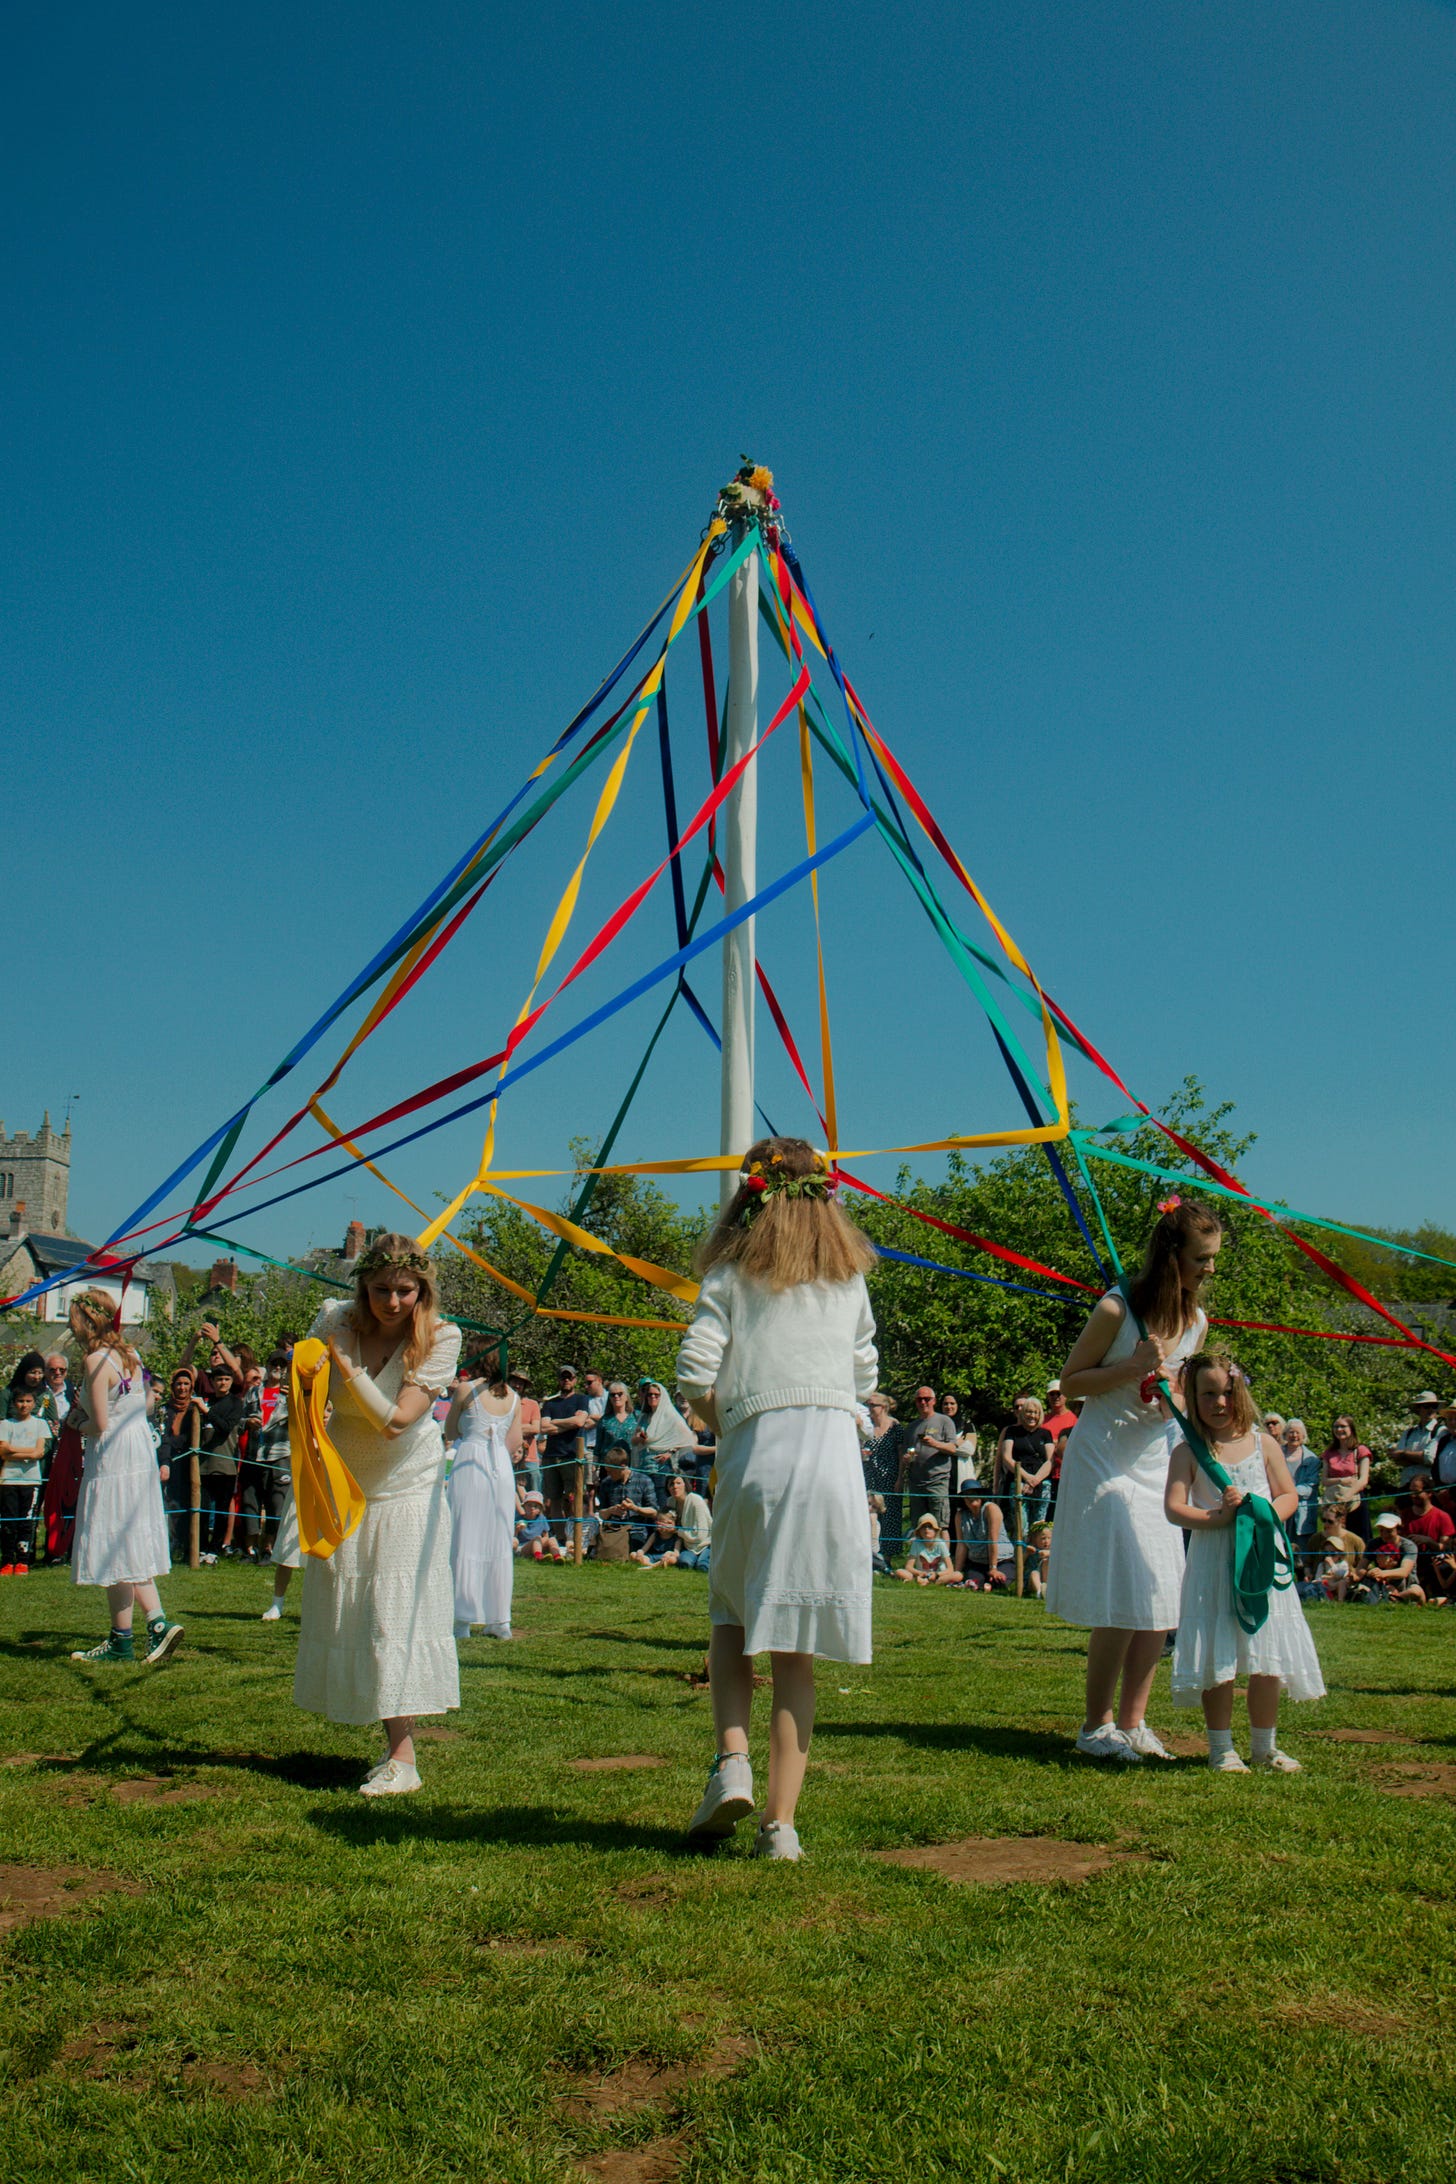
765,1180
375,1260
749,497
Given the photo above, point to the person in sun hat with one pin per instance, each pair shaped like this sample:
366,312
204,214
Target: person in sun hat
1416,1449
928,1562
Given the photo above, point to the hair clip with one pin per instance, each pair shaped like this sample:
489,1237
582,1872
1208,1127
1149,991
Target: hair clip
1169,1205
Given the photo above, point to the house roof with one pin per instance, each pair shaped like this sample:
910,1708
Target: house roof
55,1254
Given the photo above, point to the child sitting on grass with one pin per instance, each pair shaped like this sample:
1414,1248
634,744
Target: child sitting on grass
1212,1646
661,1548
534,1539
928,1562
1038,1556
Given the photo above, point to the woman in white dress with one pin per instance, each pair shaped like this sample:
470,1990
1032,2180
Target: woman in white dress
1116,1566
121,1527
485,1425
375,1642
1213,1647
778,1359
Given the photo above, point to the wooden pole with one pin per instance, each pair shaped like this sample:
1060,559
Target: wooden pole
739,838
194,1494
577,1550
1016,1509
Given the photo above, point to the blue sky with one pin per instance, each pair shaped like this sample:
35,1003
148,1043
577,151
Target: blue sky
370,373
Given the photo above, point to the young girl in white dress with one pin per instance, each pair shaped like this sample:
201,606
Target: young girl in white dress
485,1425
121,1527
779,1356
1213,1647
375,1642
1115,1563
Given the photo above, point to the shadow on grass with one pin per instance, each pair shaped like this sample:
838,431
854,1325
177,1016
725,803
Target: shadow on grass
110,1755
634,1638
963,1736
532,1826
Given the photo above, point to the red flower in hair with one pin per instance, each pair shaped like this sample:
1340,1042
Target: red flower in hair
756,1183
1169,1205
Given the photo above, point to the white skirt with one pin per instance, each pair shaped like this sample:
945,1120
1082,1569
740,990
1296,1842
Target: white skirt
287,1553
1116,1561
121,1525
376,1638
483,1534
1212,1648
791,1536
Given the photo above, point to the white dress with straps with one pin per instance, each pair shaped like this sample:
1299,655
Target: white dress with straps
121,1525
483,1518
1212,1647
376,1639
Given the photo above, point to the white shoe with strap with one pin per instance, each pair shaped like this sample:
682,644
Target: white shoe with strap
391,1778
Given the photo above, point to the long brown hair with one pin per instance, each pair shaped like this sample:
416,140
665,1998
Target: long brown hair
778,1237
92,1318
1157,1292
1241,1402
393,1253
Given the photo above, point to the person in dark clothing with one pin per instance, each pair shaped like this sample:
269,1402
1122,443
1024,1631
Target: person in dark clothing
174,1456
221,1424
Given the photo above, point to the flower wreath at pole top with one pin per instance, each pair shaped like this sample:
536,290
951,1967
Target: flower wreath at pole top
749,497
763,1183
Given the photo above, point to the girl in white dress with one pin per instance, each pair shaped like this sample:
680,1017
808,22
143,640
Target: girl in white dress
485,1424
779,1356
1213,1647
121,1527
1115,1563
375,1641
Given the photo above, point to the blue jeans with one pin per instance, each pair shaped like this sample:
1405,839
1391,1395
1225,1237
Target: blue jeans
689,1558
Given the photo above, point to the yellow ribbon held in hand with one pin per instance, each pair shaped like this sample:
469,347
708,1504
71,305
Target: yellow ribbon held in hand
327,1497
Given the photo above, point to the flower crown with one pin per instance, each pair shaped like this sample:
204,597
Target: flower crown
376,1258
765,1180
749,497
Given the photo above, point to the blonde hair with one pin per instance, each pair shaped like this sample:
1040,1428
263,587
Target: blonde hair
1241,1403
779,1238
92,1317
395,1253
1032,1402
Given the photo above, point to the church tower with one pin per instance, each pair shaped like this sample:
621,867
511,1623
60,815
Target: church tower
35,1176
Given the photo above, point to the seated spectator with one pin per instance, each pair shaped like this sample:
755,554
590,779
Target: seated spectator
1038,1558
928,1562
1304,1470
694,1525
1432,1531
628,1501
660,1552
533,1533
1416,1449
984,1548
1389,1572
25,1439
1337,1552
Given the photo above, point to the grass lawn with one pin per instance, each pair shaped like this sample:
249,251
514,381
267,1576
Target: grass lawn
244,1970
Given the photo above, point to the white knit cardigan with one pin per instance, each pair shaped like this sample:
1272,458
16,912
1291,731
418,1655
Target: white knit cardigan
760,1349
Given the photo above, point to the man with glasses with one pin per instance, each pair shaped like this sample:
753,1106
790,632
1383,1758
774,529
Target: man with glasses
58,1386
928,1461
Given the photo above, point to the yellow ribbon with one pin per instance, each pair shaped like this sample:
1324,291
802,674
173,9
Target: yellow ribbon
327,1498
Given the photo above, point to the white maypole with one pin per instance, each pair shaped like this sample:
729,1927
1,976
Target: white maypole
740,862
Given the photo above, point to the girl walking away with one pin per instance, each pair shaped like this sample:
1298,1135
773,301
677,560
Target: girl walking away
121,1528
779,1356
1115,1565
1213,1645
375,1639
485,1425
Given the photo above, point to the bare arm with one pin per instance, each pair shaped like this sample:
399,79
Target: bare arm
1085,1374
464,1396
1283,1492
1362,1476
1178,1508
96,1389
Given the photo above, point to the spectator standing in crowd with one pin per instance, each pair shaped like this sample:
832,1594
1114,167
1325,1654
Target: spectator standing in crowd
1345,1474
663,1438
287,1552
1304,1470
1416,1449
1444,1469
1024,1461
30,1373
25,1440
594,1403
222,1421
694,1525
884,1449
121,1529
59,1386
174,1456
1059,1416
1116,1564
1274,1427
984,1552
529,1464
376,1641
272,1459
928,1460
1389,1571
778,1358
628,1501
617,1427
1431,1530
484,1422
63,1478
564,1421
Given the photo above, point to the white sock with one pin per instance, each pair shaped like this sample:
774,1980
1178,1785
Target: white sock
1261,1742
1220,1741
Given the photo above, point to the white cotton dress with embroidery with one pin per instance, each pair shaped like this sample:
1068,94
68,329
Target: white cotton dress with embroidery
121,1525
483,1518
1211,1646
791,1526
376,1637
1116,1561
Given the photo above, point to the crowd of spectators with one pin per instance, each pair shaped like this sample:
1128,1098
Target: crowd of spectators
622,1473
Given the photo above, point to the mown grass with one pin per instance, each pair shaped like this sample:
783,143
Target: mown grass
308,1986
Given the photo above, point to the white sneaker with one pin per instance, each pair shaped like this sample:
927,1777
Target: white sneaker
776,1839
391,1778
1145,1744
1279,1762
727,1799
273,1613
1227,1763
1107,1742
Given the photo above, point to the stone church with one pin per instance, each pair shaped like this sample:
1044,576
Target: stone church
35,1242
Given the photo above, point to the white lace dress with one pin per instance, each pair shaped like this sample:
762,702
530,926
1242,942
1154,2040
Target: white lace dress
1116,1561
376,1638
121,1525
1211,1646
483,1518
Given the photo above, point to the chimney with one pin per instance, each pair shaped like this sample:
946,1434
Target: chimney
353,1241
224,1274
